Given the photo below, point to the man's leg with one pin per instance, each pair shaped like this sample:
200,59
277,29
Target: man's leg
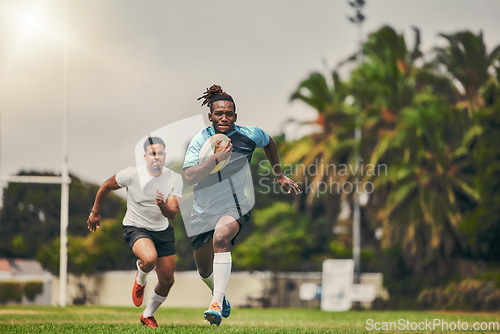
225,230
204,258
165,267
145,250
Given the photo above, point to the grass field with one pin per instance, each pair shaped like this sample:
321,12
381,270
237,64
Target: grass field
90,319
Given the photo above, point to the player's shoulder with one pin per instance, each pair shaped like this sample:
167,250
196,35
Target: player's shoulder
248,130
255,133
130,171
171,174
125,176
202,136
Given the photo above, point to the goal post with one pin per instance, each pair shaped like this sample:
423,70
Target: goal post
63,258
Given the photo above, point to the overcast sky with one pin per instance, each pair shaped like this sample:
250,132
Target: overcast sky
137,66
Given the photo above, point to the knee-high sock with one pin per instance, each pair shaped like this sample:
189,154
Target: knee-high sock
209,281
154,302
222,271
141,275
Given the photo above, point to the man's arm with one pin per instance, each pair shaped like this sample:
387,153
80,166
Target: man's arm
199,172
170,207
95,217
271,151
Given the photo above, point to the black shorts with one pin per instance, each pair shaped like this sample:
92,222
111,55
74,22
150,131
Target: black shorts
202,238
163,240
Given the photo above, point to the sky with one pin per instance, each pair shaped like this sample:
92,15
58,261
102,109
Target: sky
138,66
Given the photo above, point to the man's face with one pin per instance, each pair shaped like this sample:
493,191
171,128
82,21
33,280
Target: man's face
222,116
155,157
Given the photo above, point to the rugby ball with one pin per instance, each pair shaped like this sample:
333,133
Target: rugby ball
208,149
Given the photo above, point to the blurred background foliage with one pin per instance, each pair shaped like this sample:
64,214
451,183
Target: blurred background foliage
431,224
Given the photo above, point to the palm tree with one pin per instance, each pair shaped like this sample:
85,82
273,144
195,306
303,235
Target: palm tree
429,183
482,226
427,145
467,61
380,88
333,141
327,100
385,83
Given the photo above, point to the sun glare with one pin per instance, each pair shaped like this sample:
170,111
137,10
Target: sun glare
30,24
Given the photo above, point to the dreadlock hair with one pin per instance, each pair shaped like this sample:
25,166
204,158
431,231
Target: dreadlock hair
215,93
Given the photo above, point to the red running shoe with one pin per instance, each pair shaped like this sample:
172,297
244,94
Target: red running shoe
149,321
137,292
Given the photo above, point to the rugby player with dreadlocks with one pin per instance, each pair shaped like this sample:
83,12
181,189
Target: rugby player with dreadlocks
212,248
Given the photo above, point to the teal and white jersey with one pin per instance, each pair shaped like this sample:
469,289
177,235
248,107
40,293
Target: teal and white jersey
216,192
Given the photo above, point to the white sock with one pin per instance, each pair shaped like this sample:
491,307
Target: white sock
222,271
141,276
209,281
154,302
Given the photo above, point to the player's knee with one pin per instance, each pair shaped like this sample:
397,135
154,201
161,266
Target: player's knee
221,242
166,280
148,263
205,271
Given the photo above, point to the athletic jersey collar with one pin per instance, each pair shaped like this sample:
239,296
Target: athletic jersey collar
211,130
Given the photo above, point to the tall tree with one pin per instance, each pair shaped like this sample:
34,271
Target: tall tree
331,143
467,60
429,184
482,225
385,82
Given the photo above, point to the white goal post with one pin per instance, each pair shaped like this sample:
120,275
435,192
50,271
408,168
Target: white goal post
64,181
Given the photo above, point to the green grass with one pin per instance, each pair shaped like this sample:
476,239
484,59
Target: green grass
90,319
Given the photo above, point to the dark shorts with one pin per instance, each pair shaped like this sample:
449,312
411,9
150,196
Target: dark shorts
202,238
163,240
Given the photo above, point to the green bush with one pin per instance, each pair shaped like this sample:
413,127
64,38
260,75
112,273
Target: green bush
493,301
32,289
11,291
14,291
468,294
